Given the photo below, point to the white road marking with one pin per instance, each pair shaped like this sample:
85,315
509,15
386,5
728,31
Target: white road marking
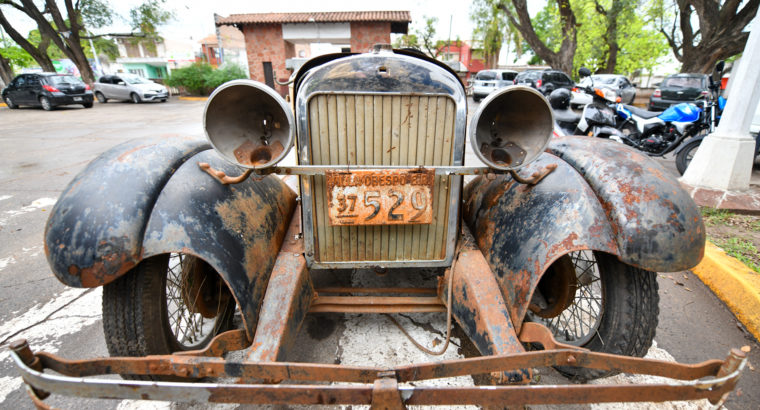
4,262
83,310
4,197
37,204
7,385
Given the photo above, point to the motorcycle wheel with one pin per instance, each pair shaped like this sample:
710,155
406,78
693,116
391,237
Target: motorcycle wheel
147,311
614,309
683,159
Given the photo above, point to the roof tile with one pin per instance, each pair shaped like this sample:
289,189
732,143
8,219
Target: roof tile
318,17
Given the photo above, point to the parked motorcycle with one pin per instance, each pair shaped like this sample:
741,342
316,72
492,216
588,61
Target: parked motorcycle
659,133
598,118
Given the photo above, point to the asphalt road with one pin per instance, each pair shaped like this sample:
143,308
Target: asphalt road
41,152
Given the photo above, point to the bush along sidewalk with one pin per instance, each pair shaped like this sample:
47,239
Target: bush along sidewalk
203,78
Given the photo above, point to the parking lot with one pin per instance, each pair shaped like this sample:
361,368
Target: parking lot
42,151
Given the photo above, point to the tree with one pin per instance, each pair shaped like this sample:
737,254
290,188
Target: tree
39,55
427,37
562,58
67,34
619,36
492,28
718,31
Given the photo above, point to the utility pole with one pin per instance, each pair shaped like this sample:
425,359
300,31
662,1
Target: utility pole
448,43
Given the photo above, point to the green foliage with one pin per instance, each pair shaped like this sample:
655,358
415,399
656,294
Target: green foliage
640,45
407,41
16,56
492,29
95,13
427,37
148,16
202,78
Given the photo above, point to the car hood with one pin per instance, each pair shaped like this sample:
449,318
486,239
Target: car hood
149,87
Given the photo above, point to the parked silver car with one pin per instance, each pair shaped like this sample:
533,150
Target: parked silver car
488,81
129,87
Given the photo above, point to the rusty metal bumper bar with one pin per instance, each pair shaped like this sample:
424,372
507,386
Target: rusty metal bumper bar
381,387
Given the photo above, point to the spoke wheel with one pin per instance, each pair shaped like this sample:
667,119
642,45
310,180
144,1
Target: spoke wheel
614,308
166,304
579,321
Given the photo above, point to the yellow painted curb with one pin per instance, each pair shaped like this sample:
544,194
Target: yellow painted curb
2,104
734,283
193,98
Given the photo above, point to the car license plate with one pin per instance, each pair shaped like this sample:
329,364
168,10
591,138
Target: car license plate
384,197
77,98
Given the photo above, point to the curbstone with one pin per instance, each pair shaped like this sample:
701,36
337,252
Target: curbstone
734,283
188,98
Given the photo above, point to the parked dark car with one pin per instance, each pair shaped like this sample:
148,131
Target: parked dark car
678,88
47,90
545,81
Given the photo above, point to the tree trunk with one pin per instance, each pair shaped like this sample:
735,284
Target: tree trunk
611,34
39,56
6,72
720,33
560,60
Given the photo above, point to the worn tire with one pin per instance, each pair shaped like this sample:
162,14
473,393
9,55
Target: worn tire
628,315
87,105
684,156
101,98
135,98
135,315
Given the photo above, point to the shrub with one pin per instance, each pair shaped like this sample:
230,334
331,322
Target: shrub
202,78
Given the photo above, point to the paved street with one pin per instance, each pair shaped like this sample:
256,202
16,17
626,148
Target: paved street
42,151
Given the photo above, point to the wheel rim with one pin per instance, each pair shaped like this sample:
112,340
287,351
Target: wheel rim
45,103
134,98
190,330
100,97
8,102
579,323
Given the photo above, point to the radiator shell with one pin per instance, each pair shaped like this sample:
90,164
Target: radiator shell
380,109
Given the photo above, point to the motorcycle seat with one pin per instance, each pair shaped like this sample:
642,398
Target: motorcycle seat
566,116
642,112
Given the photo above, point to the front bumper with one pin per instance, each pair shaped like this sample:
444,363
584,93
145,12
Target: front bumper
258,382
152,96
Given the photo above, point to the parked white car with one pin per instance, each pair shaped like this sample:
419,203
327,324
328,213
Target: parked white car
488,81
128,87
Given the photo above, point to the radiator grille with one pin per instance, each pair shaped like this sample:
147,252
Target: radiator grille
381,130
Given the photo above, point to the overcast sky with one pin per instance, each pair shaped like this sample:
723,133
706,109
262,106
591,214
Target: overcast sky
194,19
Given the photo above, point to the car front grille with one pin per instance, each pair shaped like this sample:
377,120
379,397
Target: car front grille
377,129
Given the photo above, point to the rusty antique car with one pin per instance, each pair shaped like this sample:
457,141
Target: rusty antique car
545,258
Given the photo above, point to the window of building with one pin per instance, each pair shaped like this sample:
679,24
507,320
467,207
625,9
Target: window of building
137,71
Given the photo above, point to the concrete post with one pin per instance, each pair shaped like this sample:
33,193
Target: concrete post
724,159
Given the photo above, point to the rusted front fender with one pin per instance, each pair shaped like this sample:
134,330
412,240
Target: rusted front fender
602,196
145,198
